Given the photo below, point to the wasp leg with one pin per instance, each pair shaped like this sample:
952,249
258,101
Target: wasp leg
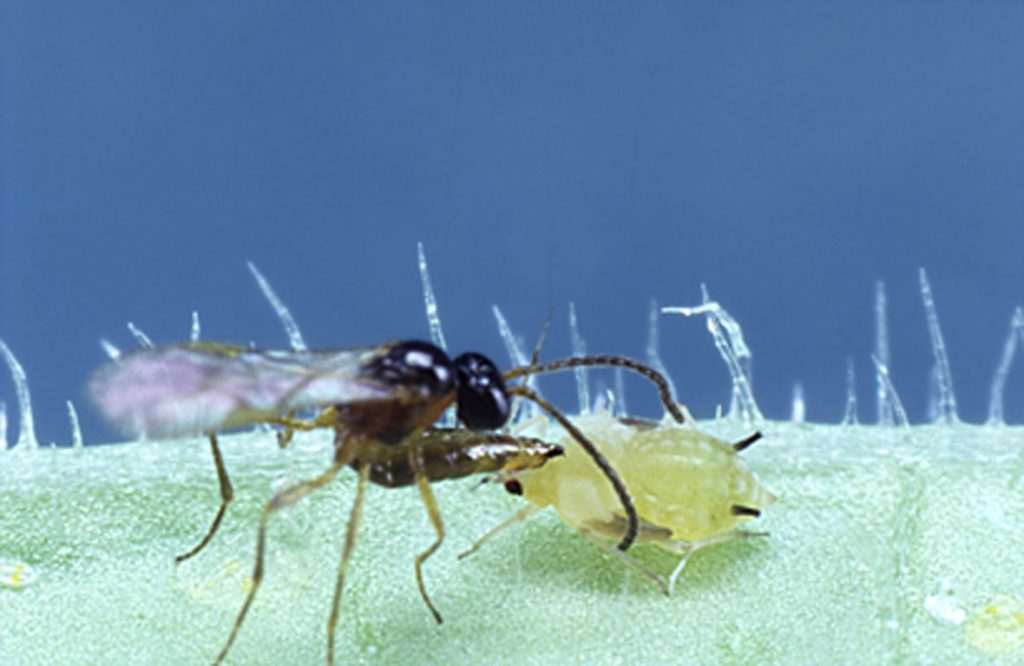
325,419
227,493
520,516
284,498
351,534
284,437
688,548
628,560
423,483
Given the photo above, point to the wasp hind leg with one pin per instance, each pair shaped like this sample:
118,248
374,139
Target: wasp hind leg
286,497
351,534
227,493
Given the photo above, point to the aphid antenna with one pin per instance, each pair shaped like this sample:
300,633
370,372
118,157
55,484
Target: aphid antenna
893,398
579,350
884,405
295,339
541,337
654,344
728,337
26,421
140,337
850,417
109,349
433,317
523,409
1016,333
196,329
798,410
76,429
946,398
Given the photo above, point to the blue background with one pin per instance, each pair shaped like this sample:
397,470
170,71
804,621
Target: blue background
788,154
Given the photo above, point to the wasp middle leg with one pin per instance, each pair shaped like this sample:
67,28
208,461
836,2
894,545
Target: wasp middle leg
351,534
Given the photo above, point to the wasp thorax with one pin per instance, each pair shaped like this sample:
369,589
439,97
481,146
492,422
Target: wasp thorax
416,365
482,400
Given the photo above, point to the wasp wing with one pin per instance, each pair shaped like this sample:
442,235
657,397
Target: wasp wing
187,389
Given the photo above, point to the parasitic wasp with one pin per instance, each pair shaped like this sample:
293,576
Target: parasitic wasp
381,402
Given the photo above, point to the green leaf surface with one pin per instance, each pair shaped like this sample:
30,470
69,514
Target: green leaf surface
887,546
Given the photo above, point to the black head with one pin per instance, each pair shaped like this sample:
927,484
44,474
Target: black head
482,401
416,365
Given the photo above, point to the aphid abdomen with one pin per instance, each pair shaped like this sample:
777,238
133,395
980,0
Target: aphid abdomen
454,454
682,480
689,482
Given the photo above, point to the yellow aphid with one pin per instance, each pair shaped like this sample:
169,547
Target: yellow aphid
690,489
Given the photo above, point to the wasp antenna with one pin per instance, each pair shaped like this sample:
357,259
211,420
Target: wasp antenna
740,510
632,518
745,443
647,371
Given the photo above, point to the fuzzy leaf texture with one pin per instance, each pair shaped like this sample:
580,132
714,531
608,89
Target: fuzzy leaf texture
887,545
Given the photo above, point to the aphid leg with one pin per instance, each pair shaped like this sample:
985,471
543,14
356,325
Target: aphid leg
351,534
678,570
628,560
520,516
226,495
282,499
599,459
688,548
423,483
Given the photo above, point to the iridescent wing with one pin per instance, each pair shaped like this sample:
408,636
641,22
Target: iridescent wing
187,389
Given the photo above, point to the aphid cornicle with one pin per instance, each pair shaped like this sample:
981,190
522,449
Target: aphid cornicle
381,403
690,489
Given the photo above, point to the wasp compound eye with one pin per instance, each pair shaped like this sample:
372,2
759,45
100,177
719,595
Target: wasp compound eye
416,365
483,403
